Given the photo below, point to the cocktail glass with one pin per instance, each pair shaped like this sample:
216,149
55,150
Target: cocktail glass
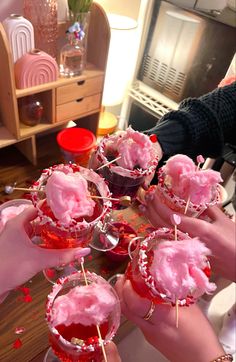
12,208
74,340
79,232
180,205
121,182
138,270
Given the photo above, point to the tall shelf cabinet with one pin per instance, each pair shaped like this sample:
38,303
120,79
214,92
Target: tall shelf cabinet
78,98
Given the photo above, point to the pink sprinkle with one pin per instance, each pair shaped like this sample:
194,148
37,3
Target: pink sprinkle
17,344
19,330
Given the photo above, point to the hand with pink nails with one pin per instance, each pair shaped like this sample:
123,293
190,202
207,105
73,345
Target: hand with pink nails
21,259
217,231
194,340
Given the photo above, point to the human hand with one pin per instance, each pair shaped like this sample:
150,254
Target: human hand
194,340
112,352
219,237
21,259
218,233
153,208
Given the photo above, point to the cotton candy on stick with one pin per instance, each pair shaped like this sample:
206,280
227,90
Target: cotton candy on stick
178,270
200,160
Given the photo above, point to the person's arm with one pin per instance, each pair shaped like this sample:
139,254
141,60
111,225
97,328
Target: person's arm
21,259
200,126
194,340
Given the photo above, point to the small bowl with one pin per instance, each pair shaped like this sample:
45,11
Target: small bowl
120,252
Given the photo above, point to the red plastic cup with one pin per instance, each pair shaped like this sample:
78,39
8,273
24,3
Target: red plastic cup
76,145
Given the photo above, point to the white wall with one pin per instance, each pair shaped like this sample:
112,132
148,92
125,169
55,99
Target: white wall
123,7
8,7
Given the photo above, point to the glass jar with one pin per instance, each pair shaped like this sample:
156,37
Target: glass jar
43,16
72,57
150,285
31,110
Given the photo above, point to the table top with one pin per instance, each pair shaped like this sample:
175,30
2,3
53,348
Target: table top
25,314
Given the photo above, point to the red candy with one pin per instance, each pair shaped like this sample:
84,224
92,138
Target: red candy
153,138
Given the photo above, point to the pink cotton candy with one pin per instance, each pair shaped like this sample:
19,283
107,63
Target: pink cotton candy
186,181
199,186
10,212
175,167
68,196
135,150
177,268
178,165
87,305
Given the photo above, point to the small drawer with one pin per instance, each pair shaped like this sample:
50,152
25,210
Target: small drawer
80,107
79,89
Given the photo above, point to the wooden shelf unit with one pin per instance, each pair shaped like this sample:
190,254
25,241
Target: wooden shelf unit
78,98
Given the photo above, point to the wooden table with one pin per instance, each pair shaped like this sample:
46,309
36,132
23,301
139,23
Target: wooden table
14,312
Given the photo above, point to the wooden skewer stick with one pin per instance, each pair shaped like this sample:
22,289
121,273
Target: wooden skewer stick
187,205
176,300
124,200
11,189
177,313
176,220
175,232
200,160
104,198
108,163
97,326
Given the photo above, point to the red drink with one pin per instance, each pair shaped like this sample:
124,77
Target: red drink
78,232
132,273
126,234
75,310
88,334
56,238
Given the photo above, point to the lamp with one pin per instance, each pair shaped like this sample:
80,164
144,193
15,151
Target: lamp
120,67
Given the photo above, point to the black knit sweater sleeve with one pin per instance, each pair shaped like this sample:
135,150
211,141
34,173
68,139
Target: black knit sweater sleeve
200,125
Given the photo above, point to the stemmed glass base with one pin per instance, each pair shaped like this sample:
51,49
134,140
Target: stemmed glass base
50,356
105,235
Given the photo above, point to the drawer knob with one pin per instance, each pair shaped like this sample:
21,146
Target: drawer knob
79,100
81,82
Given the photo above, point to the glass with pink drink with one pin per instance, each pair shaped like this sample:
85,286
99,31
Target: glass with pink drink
169,266
70,201
12,208
185,188
83,315
67,206
125,160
